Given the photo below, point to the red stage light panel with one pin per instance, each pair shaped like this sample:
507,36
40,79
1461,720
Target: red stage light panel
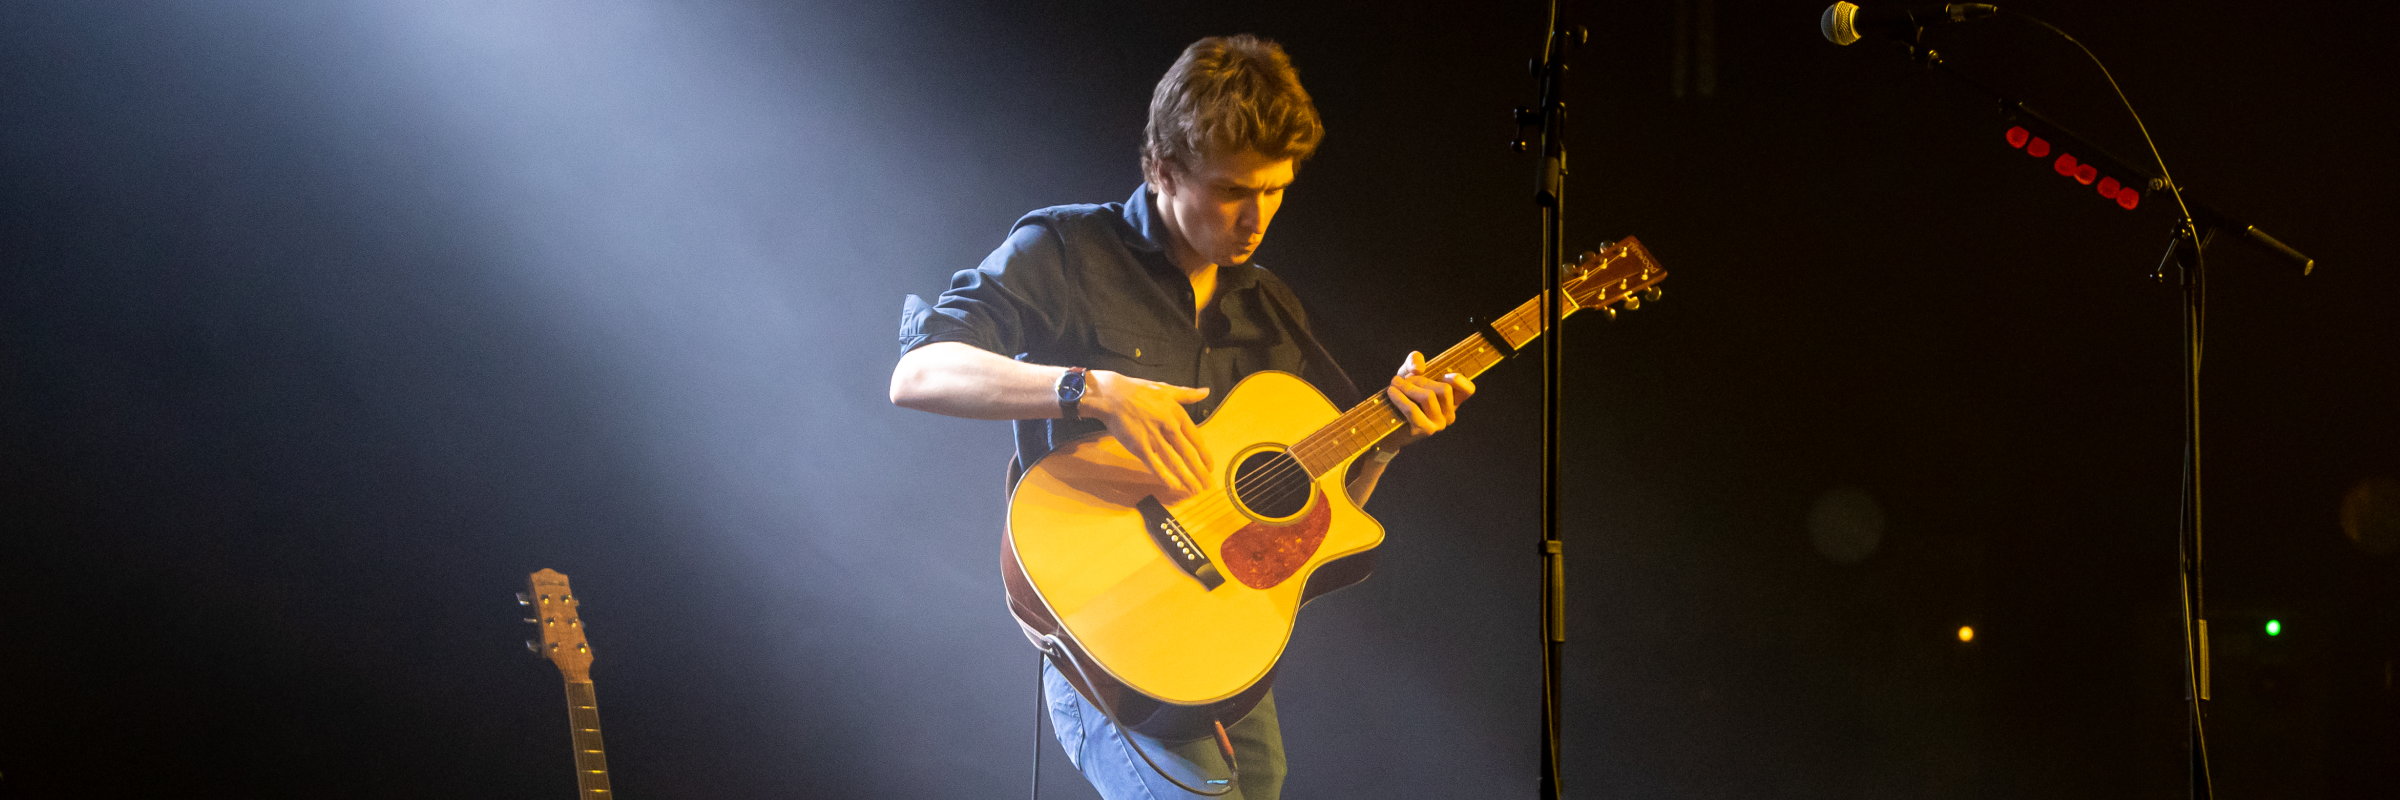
2124,194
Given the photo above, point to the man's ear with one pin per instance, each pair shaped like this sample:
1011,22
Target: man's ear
1162,177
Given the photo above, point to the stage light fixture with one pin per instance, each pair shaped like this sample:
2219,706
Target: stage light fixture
2067,165
1966,633
2274,627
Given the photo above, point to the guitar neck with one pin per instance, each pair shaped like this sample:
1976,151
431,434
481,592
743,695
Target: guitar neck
1368,422
591,764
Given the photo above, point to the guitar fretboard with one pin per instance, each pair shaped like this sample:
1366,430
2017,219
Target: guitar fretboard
1367,423
591,765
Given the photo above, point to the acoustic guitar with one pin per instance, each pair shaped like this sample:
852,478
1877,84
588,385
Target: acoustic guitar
562,642
1171,611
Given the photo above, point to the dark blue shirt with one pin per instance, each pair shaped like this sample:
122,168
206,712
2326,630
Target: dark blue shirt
1092,286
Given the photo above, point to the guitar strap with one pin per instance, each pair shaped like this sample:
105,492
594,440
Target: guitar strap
1321,370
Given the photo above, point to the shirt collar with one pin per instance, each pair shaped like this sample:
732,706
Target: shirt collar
1149,228
1150,236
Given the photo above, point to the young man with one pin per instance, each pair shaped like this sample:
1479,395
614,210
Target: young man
1150,311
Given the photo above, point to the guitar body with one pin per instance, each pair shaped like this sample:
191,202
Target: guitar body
1171,611
1169,651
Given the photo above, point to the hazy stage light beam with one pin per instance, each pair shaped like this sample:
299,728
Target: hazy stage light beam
706,203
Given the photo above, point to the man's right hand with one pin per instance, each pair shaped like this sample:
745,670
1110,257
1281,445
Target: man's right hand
1147,417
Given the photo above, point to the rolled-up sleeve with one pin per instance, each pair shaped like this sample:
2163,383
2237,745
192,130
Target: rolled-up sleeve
1012,303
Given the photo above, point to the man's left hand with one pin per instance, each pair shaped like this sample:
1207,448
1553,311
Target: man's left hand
1430,404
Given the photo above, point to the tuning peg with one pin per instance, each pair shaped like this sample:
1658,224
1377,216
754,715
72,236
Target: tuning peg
534,646
532,621
1654,293
1633,301
1612,311
523,600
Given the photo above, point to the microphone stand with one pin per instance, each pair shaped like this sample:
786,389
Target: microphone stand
2195,227
1544,125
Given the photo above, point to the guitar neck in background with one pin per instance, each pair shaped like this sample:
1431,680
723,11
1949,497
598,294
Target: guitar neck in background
1615,273
591,762
560,621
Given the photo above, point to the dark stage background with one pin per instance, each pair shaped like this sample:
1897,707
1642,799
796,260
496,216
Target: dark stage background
324,323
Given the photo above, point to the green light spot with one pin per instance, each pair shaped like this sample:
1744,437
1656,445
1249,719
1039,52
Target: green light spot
2274,627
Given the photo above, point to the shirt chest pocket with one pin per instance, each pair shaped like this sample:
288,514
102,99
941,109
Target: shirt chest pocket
1142,355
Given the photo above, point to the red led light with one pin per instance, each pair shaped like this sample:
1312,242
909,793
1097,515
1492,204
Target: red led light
2038,147
2129,198
2108,187
2086,174
2065,164
2018,135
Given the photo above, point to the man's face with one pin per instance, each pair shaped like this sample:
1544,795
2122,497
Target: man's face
1219,208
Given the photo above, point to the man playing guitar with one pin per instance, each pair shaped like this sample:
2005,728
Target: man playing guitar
1137,318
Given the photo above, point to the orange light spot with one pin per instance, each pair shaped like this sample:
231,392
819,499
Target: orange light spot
1966,633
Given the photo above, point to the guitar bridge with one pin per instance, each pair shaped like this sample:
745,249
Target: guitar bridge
1171,539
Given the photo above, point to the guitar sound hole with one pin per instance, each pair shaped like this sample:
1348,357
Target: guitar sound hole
1271,484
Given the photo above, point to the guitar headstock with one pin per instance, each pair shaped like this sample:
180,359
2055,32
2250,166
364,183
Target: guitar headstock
1622,272
554,606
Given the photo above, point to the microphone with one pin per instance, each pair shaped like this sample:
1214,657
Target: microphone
1846,22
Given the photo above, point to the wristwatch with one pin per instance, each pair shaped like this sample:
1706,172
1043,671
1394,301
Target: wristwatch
1070,394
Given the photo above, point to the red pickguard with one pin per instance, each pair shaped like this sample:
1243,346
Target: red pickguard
1262,556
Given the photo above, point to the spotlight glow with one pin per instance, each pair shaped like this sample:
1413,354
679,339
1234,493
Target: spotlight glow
2274,627
1966,633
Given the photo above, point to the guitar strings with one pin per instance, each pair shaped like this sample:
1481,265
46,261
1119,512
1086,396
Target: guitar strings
1278,477
1216,508
1208,511
1298,456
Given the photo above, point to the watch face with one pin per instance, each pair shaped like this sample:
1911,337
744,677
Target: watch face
1070,393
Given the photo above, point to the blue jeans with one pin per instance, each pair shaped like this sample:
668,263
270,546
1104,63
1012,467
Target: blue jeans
1100,751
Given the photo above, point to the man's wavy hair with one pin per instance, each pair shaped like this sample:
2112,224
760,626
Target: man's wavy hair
1228,94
